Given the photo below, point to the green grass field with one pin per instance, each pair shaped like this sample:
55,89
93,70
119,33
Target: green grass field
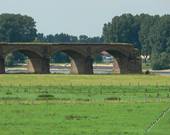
79,80
84,105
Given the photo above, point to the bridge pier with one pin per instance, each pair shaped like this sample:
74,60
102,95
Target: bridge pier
129,66
39,65
2,66
82,65
135,66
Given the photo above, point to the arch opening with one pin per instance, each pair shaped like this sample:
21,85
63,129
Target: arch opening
121,61
60,63
112,62
23,61
67,62
105,62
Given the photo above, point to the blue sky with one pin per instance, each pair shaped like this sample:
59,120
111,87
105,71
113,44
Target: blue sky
80,16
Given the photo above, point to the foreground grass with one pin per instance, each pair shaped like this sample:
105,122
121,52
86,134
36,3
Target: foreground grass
84,105
101,93
78,119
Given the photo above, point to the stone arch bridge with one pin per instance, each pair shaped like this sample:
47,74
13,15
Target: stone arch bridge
81,56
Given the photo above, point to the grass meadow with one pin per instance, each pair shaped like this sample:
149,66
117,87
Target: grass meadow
84,105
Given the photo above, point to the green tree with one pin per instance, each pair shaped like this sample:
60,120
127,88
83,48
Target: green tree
160,42
17,28
122,29
146,22
83,38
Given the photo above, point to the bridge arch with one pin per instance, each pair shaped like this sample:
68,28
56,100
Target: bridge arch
35,60
78,60
120,58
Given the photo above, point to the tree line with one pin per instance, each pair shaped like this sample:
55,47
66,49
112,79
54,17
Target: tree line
150,34
66,38
19,28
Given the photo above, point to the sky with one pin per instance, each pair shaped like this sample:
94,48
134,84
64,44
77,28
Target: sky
78,17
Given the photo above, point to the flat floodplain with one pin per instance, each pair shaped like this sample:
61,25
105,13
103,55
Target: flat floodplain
82,104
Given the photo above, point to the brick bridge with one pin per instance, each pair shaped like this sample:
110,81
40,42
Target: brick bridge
81,56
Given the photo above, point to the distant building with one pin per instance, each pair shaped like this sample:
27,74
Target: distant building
106,57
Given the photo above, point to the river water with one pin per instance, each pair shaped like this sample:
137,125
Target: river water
66,70
161,73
